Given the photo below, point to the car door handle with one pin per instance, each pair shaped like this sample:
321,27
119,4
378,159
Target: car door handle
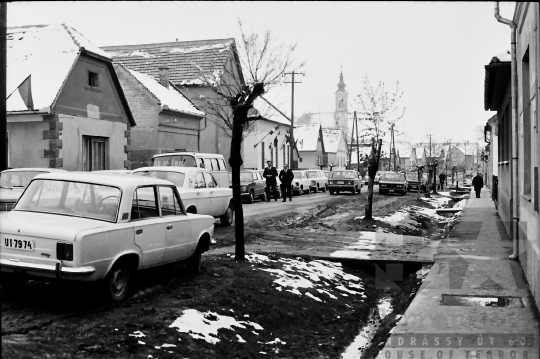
138,231
169,227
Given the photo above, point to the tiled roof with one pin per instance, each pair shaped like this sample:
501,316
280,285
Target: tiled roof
47,53
185,59
168,97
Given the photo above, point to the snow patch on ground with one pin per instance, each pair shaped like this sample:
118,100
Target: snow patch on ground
326,277
206,325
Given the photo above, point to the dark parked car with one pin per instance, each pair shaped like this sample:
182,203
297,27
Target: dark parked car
251,185
414,183
347,180
393,182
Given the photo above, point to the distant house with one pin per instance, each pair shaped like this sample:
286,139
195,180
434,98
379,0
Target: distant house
311,150
166,119
65,105
336,148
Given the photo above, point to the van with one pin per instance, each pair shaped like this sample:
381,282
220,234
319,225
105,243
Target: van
211,161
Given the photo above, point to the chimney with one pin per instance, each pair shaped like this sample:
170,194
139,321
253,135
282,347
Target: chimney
164,76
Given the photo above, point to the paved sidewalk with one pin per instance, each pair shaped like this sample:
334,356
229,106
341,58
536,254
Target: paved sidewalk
472,261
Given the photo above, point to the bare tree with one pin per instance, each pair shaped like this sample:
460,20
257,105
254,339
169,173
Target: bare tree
380,111
263,62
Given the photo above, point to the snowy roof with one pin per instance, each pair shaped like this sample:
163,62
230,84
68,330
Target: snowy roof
307,137
504,56
168,97
185,59
331,138
47,53
419,152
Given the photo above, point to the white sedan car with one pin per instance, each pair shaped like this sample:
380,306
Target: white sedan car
301,183
318,180
14,181
198,190
101,227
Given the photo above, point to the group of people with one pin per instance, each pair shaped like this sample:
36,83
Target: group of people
286,177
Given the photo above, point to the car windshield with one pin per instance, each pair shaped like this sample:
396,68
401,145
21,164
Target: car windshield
175,177
70,198
297,174
176,160
17,178
412,177
343,174
389,176
312,174
246,177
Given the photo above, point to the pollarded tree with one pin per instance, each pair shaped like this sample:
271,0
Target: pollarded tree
380,111
263,61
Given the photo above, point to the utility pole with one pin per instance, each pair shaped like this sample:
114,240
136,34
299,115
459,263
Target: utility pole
394,146
350,146
292,113
3,62
357,150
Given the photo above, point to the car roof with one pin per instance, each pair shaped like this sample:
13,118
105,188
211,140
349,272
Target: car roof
112,179
34,169
190,153
187,170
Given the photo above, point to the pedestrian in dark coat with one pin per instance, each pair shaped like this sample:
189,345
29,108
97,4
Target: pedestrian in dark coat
478,183
270,173
442,177
286,177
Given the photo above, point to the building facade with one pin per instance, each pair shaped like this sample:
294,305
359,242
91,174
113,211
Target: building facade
518,198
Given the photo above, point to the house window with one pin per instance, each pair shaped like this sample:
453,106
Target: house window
93,79
262,156
95,153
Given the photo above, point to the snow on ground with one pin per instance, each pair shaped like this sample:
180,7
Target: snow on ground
437,202
326,277
206,325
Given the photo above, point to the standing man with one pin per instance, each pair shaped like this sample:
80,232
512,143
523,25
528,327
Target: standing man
286,177
478,183
442,177
270,173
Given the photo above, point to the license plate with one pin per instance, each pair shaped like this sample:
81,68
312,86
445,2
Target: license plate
340,182
391,190
19,244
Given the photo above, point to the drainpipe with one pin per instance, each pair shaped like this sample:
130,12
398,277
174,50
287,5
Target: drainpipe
514,179
199,134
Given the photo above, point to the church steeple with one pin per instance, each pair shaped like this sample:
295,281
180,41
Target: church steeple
341,84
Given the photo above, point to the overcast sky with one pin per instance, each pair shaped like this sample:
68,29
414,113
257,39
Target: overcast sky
437,51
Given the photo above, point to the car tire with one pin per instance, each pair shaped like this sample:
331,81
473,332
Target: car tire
227,218
250,198
354,191
118,280
194,263
262,197
301,191
324,188
331,192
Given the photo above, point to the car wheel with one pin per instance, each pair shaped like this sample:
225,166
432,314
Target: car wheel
353,191
117,281
324,188
301,191
331,192
263,197
227,218
250,198
195,261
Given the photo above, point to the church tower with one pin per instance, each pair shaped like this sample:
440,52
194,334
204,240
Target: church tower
341,113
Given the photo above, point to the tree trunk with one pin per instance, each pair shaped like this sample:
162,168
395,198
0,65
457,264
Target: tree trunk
373,167
235,161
